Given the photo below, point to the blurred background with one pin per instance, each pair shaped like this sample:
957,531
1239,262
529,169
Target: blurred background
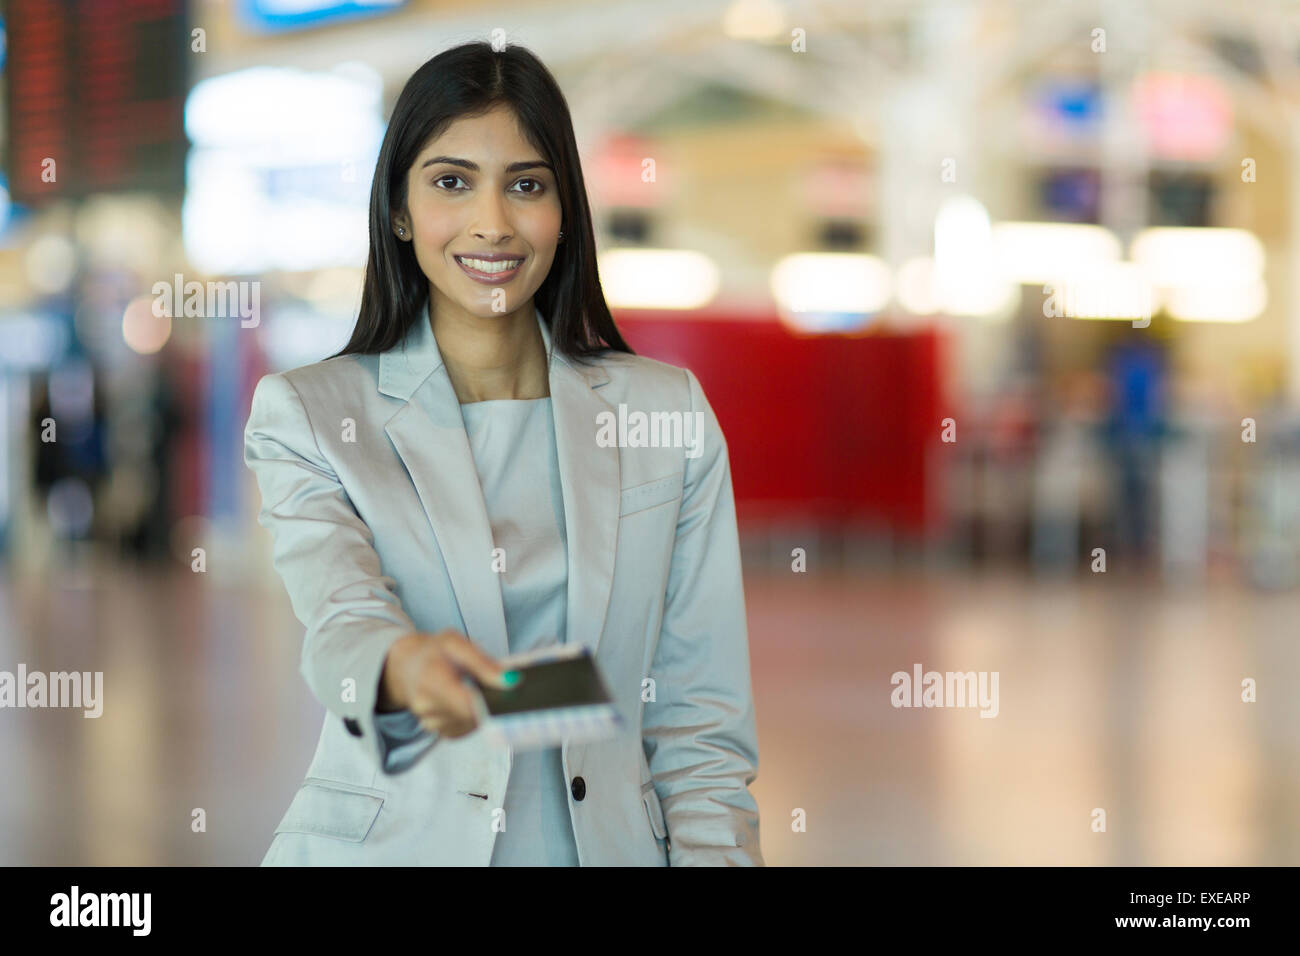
997,304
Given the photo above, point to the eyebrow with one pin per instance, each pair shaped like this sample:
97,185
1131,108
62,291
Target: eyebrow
473,167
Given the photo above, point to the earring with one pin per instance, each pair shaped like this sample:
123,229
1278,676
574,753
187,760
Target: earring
561,239
401,232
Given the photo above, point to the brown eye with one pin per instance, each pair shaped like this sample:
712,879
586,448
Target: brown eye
446,176
536,182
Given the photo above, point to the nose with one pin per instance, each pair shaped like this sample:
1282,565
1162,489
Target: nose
492,219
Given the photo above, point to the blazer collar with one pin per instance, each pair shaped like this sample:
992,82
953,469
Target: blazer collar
428,432
403,368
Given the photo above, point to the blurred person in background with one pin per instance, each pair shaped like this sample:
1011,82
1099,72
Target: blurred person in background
1133,430
69,423
461,422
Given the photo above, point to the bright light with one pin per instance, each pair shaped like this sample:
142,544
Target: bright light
658,278
1218,303
1114,290
1040,252
51,263
143,331
963,239
916,286
280,171
1183,115
988,297
283,116
830,291
1191,256
966,279
1204,275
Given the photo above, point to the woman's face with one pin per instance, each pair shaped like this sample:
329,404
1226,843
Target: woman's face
480,190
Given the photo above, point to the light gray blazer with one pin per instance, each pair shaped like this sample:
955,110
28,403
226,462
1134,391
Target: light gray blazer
379,529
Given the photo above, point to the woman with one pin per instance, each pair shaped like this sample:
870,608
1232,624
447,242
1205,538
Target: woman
443,492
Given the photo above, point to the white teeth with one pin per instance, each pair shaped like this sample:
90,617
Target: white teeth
482,265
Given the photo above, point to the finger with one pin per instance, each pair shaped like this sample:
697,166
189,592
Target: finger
448,721
473,660
443,696
435,725
450,727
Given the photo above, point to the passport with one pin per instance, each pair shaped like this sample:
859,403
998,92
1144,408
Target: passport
561,699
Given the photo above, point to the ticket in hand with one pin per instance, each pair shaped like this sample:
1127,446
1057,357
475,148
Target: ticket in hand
561,699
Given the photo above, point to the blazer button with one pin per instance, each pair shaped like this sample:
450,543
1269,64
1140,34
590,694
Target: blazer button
579,788
353,727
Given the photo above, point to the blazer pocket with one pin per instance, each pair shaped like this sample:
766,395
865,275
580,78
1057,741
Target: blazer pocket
332,809
639,497
654,810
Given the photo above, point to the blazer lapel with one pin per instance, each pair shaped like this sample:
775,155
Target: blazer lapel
589,479
428,432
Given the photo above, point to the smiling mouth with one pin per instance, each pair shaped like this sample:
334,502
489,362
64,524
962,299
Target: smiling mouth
485,270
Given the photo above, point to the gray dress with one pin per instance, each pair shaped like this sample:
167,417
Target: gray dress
513,444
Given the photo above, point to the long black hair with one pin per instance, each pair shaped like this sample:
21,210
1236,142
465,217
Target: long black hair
469,80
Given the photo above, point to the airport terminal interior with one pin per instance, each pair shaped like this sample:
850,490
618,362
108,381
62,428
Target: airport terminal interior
996,303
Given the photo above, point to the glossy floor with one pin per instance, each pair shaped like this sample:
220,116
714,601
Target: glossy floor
1112,695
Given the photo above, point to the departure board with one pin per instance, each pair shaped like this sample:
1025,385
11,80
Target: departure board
95,95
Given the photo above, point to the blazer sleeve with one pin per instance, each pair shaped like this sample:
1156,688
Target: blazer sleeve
402,739
325,554
699,734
